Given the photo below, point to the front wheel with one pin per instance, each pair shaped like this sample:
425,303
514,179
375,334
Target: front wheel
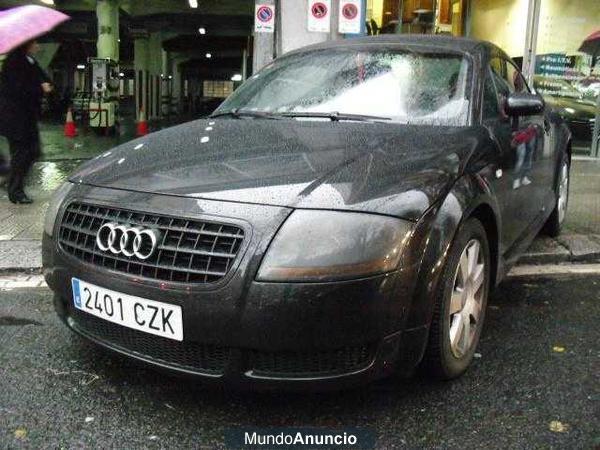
460,304
555,222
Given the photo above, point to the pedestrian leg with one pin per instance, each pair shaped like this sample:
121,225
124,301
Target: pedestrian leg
20,163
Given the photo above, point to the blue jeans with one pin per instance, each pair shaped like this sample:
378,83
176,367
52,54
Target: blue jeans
525,158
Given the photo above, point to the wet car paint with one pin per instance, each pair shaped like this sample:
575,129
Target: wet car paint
579,115
380,168
259,171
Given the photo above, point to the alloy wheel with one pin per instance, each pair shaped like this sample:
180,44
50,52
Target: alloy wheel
467,299
563,192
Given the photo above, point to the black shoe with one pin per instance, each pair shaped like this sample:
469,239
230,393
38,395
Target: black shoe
20,200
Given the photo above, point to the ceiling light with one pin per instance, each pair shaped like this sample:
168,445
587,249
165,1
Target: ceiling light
121,74
47,2
80,66
193,3
208,55
202,30
236,77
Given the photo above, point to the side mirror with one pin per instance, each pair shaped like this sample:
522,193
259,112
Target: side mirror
524,104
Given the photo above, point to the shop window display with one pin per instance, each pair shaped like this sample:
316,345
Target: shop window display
567,66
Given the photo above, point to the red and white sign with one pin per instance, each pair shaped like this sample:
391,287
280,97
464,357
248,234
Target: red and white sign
264,18
350,18
319,15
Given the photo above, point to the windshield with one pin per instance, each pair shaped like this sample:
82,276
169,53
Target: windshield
400,86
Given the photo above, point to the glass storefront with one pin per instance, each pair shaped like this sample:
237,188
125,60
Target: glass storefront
563,36
567,70
564,70
416,16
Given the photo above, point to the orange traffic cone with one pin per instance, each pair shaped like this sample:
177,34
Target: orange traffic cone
142,125
70,129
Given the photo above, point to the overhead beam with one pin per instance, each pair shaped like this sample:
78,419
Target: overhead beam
229,7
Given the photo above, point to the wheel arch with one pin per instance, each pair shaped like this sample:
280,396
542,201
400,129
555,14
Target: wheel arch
485,214
465,200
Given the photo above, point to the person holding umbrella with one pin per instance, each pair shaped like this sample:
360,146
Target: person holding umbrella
22,86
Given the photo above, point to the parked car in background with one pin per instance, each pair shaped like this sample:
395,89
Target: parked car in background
589,87
578,110
344,214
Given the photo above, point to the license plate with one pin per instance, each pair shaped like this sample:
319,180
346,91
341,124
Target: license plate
149,316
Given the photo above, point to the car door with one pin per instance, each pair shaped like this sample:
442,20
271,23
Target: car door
521,142
501,180
535,158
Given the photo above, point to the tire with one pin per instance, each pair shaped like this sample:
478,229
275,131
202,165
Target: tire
446,358
554,224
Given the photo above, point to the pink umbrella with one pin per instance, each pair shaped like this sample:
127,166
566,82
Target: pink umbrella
591,44
22,24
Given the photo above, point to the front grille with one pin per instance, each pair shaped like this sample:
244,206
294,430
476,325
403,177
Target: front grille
209,359
311,363
190,251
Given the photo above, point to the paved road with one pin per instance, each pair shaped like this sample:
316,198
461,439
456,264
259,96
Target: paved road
57,391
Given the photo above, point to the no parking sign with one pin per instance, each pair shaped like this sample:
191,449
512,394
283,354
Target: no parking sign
319,15
264,18
350,18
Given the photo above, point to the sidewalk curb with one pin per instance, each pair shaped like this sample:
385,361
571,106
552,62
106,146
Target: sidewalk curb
570,248
21,256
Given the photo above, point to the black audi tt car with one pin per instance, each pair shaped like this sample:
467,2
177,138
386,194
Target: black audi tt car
344,214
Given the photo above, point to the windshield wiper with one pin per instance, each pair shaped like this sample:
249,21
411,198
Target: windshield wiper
333,116
238,113
336,116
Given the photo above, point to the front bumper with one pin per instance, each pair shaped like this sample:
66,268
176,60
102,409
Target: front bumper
283,350
235,367
247,333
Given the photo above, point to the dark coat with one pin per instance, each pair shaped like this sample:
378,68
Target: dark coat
20,97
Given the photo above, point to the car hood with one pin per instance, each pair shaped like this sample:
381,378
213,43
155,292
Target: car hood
389,169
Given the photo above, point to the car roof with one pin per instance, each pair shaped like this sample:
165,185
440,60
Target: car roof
428,42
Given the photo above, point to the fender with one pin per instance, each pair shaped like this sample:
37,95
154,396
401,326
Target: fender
468,196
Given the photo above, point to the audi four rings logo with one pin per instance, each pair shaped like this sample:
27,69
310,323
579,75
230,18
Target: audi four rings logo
126,240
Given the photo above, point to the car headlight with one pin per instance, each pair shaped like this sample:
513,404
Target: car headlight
54,206
328,245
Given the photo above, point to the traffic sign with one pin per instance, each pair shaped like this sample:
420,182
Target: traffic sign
264,18
319,15
350,17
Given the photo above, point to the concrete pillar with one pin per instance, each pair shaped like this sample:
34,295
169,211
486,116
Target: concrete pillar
595,150
140,65
264,43
531,33
149,64
177,81
107,12
244,68
294,30
291,31
155,66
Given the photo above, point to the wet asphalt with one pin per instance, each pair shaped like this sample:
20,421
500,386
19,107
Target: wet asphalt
535,384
